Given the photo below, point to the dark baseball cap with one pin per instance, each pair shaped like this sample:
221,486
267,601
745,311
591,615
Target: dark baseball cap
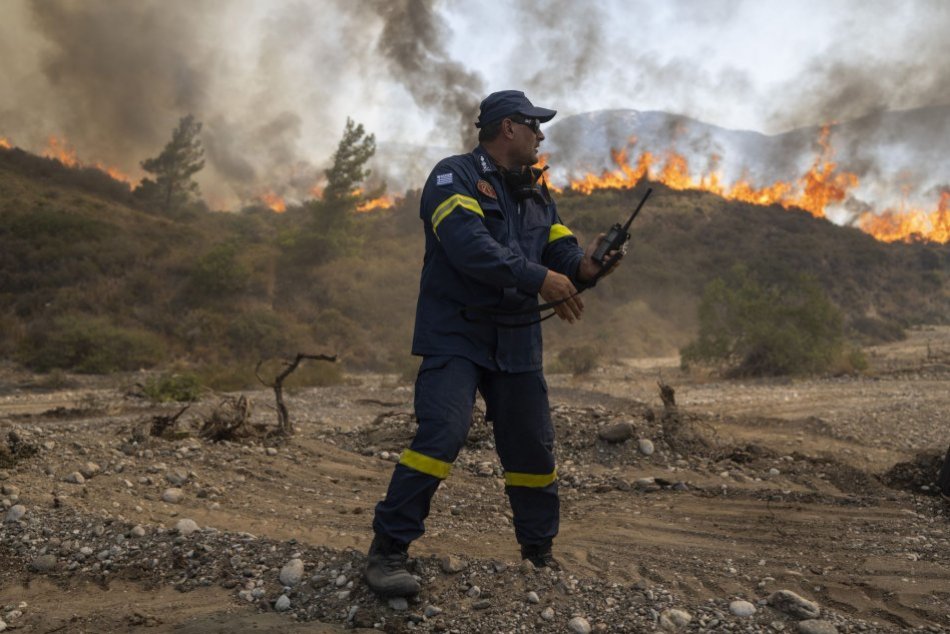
503,103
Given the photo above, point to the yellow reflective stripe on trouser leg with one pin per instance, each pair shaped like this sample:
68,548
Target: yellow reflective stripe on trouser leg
557,232
424,464
533,480
449,204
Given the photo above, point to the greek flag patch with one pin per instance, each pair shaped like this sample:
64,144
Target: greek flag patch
443,179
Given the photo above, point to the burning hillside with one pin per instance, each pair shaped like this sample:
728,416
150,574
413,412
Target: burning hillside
825,184
736,165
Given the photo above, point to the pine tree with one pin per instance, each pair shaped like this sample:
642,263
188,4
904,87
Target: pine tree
349,162
173,169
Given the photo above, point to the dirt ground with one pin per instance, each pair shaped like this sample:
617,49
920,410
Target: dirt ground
751,487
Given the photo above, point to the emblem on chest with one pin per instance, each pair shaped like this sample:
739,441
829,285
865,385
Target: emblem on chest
485,188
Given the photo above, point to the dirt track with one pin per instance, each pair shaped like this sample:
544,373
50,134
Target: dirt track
757,486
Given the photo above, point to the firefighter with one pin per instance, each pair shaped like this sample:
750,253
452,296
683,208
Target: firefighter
493,239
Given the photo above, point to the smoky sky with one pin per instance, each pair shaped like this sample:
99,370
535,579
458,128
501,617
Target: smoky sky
273,82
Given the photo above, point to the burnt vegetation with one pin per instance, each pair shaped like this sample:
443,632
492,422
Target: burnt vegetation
92,280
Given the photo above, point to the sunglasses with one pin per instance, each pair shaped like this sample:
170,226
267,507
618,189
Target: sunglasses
534,124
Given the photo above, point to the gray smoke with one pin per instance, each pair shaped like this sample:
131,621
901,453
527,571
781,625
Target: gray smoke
853,77
413,44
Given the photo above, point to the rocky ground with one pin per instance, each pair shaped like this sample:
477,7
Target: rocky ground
755,506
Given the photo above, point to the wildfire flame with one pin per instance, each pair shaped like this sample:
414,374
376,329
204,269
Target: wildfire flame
386,201
5,143
60,150
273,201
910,225
822,185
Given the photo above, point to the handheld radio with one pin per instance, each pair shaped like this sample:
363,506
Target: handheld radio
618,234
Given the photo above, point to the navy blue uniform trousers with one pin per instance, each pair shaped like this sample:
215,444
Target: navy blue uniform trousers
517,406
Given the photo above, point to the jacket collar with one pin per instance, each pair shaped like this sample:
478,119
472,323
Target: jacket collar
483,161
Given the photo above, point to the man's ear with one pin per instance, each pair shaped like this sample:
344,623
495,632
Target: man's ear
508,128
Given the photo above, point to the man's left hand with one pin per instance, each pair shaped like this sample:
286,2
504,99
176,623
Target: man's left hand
589,268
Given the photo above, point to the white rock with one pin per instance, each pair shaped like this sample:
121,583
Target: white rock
177,477
451,564
89,469
138,531
75,478
186,526
547,613
672,620
282,604
742,608
645,445
292,572
773,471
271,451
533,597
173,495
3,626
474,592
432,610
16,513
579,625
790,603
399,604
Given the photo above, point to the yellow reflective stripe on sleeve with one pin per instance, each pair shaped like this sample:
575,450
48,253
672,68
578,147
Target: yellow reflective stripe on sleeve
424,464
535,481
557,232
449,204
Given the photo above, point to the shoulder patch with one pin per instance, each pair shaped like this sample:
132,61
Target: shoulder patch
486,188
443,179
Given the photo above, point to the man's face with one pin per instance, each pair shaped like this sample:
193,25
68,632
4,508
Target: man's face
527,137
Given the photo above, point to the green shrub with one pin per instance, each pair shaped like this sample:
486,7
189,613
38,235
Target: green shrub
91,345
754,330
228,377
262,333
219,273
577,359
183,387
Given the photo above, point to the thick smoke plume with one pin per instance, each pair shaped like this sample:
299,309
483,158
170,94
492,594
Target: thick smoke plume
413,43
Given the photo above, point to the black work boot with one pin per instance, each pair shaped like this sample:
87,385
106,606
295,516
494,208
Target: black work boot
386,573
540,555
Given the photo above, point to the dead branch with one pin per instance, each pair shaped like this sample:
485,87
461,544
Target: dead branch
284,426
230,420
668,396
166,426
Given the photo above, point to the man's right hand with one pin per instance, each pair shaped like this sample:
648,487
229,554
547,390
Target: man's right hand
559,287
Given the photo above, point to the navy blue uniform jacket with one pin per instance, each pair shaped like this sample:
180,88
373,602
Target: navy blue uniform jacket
484,248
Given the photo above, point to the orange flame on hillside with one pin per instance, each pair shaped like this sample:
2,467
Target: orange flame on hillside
910,225
386,201
273,202
822,185
5,143
60,150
